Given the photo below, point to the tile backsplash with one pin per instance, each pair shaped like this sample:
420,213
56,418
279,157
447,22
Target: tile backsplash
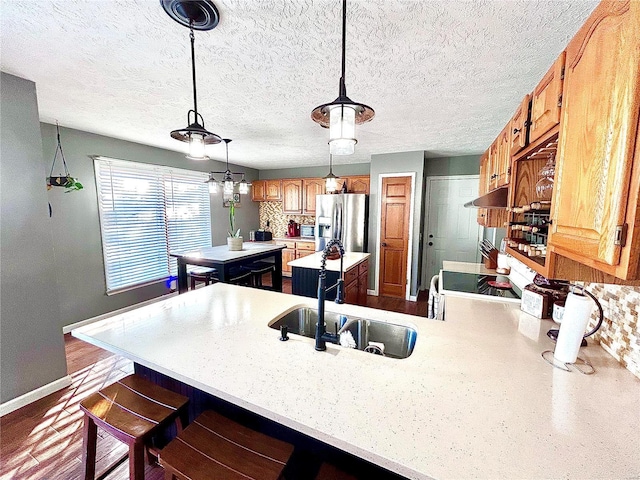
272,211
619,334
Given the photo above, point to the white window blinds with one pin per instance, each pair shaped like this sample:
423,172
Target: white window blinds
146,211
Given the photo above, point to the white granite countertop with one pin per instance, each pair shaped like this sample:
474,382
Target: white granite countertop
351,259
474,400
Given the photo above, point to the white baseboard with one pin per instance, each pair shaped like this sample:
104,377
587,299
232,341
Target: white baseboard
68,328
412,298
34,395
372,292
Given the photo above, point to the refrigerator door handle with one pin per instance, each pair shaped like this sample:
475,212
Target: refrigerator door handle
338,222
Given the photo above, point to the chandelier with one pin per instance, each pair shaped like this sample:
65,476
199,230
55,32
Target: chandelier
343,114
227,182
196,15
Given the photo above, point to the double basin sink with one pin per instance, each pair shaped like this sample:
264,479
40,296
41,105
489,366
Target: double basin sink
382,338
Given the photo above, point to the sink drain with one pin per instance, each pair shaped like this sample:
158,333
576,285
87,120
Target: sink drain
376,350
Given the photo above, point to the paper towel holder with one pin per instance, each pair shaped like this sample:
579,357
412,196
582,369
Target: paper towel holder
581,365
580,290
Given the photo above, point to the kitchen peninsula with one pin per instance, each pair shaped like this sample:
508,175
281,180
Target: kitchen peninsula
355,265
474,400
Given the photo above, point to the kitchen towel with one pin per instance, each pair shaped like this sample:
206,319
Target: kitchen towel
577,311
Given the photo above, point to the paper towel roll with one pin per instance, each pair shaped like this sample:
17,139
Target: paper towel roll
574,323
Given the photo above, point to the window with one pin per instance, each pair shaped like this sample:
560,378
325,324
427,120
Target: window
147,211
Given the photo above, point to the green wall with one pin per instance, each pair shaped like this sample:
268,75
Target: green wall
444,166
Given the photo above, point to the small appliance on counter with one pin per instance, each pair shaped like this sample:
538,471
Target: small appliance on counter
263,236
293,229
307,231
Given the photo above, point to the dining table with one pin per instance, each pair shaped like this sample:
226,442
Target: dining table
223,260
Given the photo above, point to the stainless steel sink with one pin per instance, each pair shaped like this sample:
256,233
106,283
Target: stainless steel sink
397,340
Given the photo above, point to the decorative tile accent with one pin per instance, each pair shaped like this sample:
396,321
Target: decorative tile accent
619,334
278,221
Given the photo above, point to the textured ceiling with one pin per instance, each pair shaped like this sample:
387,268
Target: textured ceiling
442,76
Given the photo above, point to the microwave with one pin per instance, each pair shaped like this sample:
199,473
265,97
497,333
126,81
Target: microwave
307,230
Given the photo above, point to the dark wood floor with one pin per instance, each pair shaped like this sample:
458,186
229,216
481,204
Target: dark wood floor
43,440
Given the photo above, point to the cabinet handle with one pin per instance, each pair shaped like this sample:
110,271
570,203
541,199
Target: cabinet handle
430,244
516,130
383,244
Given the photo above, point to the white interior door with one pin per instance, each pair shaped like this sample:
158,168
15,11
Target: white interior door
452,232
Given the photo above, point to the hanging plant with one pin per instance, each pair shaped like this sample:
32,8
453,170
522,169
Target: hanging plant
67,181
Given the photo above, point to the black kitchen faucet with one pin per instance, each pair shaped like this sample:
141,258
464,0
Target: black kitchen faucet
322,336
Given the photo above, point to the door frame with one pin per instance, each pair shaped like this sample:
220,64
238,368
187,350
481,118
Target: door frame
412,201
425,281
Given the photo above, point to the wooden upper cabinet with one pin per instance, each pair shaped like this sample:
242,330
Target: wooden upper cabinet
311,187
258,190
546,100
273,190
493,164
483,187
504,157
292,196
520,125
358,184
598,163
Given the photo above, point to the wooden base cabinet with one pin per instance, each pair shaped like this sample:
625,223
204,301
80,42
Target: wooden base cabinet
294,249
356,281
596,215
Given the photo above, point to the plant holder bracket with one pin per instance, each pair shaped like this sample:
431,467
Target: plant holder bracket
59,181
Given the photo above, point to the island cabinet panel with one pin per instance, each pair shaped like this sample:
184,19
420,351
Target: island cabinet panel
351,292
292,196
363,282
310,188
546,100
288,254
273,190
520,126
258,190
358,184
595,201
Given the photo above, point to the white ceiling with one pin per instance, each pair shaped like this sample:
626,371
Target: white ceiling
442,76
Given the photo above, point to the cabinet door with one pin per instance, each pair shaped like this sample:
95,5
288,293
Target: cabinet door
520,125
504,157
546,100
351,292
494,161
598,131
482,188
258,191
288,254
311,188
358,184
292,196
273,190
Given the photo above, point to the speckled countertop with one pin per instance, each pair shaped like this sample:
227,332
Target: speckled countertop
474,400
351,259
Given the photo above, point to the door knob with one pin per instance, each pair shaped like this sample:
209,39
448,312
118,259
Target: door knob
383,244
430,244
430,236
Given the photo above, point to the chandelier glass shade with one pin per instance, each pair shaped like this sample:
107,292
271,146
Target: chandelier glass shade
343,114
198,15
227,182
330,181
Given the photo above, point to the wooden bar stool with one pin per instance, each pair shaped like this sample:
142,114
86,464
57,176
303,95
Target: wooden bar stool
214,447
202,274
330,472
132,410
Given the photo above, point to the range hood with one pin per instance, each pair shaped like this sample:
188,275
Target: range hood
494,199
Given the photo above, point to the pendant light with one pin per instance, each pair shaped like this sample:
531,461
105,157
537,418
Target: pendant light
196,15
331,181
228,183
342,115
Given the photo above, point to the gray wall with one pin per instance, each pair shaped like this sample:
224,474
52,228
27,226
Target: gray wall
405,162
75,224
31,342
443,166
315,172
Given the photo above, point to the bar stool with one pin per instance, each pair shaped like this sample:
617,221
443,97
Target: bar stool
132,410
238,276
330,472
202,274
214,447
258,269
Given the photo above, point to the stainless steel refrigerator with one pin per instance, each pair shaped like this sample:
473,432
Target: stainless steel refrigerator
343,216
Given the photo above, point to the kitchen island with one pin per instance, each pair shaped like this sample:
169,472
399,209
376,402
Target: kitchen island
474,400
355,265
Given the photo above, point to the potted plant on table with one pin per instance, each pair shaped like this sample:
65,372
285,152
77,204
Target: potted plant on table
234,240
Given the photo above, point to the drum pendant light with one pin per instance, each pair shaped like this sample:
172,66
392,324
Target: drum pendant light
196,15
342,115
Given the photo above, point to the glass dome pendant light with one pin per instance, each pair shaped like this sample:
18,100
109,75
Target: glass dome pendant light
196,15
342,115
331,181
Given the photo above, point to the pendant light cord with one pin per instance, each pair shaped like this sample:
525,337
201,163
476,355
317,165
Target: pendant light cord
343,88
59,149
193,70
